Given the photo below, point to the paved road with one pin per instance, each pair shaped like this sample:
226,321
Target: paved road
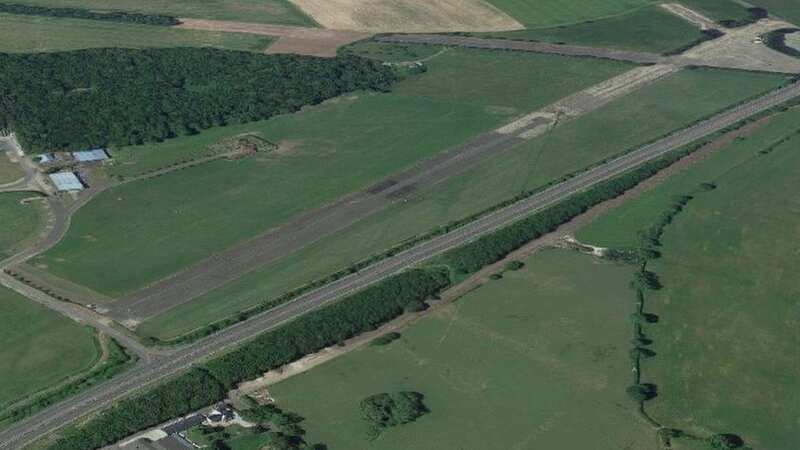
99,397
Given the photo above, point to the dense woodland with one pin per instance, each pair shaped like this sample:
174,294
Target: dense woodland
99,97
77,13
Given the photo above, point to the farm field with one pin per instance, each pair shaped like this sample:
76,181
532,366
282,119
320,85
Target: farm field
650,29
568,148
786,9
20,222
718,10
24,34
728,312
40,347
729,308
150,229
619,229
547,13
262,11
544,352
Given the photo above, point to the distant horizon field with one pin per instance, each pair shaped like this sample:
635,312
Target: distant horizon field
728,311
648,29
536,360
153,228
48,34
280,12
40,347
547,13
565,149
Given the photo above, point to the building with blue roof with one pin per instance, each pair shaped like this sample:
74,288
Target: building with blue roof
66,182
99,154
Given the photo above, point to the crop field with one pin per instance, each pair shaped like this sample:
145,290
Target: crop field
40,347
542,351
161,225
20,222
547,13
728,313
262,11
650,29
22,34
718,10
566,149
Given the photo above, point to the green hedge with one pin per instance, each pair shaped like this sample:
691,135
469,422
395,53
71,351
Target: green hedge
77,13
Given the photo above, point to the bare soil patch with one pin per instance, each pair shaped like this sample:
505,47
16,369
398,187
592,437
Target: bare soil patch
408,15
299,40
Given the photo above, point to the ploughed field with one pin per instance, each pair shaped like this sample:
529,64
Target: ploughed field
568,148
152,228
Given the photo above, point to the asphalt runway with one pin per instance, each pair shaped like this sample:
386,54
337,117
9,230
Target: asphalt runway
159,367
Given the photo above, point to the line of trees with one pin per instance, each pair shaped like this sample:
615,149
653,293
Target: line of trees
754,15
362,311
78,13
111,96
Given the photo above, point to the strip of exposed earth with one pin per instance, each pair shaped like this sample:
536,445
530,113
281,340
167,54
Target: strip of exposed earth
101,396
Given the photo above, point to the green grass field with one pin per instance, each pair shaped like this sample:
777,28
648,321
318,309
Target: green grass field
9,172
650,29
566,149
537,360
726,339
20,222
718,10
40,347
150,229
24,34
547,13
619,229
786,9
729,310
263,11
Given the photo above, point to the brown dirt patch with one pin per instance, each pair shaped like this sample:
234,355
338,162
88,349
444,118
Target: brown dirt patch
408,15
299,40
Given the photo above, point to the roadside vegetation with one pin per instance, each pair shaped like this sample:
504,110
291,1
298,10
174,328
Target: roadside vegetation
567,149
26,34
41,349
728,13
650,29
98,97
362,138
20,222
262,11
786,9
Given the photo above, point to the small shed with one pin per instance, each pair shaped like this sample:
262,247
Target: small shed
66,182
45,158
99,154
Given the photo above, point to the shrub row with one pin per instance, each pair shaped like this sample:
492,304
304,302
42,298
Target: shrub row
755,14
776,40
362,311
77,13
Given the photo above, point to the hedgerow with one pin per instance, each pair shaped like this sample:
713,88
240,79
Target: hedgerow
78,13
